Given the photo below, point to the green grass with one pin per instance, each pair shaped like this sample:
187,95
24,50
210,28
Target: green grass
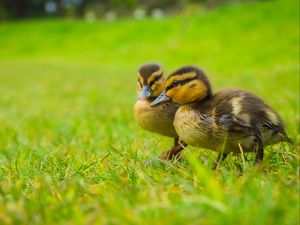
71,153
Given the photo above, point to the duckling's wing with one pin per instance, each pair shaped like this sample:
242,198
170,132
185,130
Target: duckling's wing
233,125
264,118
237,130
242,113
261,117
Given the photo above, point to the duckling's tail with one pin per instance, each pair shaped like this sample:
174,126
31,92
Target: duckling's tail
286,138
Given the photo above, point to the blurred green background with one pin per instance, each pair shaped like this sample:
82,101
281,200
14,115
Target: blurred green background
70,150
105,9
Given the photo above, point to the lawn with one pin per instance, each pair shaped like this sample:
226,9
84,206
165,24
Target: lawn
71,152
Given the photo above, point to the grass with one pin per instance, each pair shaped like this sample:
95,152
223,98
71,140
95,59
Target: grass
71,153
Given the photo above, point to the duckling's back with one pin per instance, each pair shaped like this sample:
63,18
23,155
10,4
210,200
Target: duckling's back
236,108
235,115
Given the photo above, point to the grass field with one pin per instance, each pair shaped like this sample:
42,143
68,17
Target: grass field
71,153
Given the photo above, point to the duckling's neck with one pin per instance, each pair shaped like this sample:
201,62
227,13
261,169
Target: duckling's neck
208,98
148,99
151,99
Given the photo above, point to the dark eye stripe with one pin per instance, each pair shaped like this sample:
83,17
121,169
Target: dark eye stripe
155,80
140,82
179,82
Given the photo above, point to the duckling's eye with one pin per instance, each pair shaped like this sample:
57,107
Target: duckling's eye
175,83
156,79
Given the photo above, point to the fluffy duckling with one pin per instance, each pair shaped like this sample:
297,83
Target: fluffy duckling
158,119
227,121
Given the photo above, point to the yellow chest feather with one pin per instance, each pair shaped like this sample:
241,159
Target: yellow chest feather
157,119
192,128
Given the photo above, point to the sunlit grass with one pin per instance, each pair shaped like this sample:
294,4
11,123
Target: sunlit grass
71,153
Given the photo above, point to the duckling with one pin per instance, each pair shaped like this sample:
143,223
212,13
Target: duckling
159,119
227,121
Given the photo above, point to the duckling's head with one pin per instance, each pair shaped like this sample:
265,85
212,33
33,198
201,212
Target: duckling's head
186,85
150,81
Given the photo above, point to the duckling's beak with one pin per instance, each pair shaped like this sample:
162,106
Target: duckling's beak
145,92
160,99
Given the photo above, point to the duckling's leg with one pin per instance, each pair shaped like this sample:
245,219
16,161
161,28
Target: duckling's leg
260,153
220,158
260,147
173,152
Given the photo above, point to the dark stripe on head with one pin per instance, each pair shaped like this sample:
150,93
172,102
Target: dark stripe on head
180,82
146,70
155,80
199,74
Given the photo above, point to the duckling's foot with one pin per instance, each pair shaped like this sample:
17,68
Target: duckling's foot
173,153
169,155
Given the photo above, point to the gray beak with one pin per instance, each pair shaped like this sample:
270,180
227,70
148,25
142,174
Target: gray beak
145,93
160,99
